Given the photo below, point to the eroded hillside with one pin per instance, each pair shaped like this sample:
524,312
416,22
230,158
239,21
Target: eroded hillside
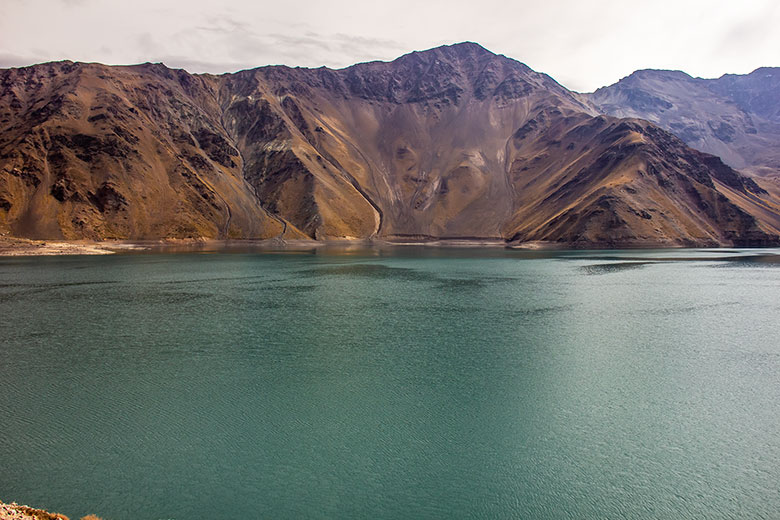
455,142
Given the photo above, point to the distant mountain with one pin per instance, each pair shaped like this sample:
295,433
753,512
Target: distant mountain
736,117
453,142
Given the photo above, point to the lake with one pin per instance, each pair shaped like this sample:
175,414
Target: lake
393,383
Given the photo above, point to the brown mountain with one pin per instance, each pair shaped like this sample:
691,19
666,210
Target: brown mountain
454,142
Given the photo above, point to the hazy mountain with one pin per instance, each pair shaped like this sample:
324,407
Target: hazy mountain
454,142
736,117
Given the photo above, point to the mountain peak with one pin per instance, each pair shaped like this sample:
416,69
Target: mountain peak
766,71
662,74
467,47
460,47
457,51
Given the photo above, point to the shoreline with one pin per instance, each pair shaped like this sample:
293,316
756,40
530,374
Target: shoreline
14,246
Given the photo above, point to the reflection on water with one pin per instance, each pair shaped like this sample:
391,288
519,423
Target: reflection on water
392,383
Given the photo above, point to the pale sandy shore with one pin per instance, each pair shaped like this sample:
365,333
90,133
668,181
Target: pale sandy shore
11,246
24,247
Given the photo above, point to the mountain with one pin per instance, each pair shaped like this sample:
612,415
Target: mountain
90,151
736,117
453,142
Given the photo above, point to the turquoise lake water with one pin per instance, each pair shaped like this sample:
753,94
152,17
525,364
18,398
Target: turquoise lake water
404,383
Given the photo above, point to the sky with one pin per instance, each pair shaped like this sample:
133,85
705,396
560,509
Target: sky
582,44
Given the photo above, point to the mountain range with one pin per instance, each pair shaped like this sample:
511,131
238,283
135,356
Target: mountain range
450,143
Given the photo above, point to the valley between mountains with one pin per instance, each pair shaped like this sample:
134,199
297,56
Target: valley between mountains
453,143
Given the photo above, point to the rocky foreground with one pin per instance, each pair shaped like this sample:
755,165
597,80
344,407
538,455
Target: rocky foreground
14,511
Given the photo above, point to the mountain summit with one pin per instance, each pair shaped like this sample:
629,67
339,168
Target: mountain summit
453,142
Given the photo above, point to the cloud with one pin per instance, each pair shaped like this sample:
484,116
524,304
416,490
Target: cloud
225,25
251,51
226,44
750,33
335,50
8,60
200,66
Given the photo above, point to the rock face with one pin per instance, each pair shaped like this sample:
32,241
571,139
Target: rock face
90,151
454,142
736,117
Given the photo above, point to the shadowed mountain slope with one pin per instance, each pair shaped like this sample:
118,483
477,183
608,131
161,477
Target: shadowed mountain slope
454,142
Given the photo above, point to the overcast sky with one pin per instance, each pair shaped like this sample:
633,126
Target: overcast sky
582,44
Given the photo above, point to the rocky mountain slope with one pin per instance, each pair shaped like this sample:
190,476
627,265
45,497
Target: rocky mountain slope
454,142
736,117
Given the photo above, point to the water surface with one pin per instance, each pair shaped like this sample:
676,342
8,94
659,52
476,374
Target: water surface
403,383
